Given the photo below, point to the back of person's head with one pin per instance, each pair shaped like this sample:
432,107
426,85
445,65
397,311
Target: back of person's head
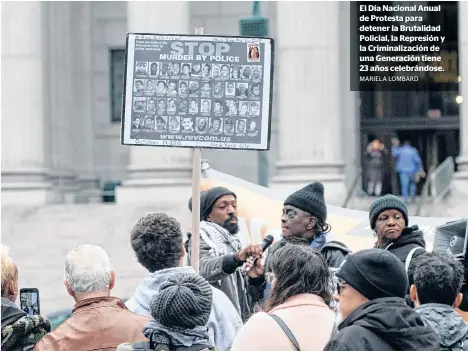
375,273
183,301
9,275
438,278
157,242
298,269
88,270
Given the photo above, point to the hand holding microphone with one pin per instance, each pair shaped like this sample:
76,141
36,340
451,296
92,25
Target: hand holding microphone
253,264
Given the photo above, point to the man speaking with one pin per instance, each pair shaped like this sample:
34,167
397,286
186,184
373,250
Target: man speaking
221,252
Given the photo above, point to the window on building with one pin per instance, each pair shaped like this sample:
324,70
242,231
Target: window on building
117,69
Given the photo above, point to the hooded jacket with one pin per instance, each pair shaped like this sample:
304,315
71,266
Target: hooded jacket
447,323
385,324
224,321
410,238
21,332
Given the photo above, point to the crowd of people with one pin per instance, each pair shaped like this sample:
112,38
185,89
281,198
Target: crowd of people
308,293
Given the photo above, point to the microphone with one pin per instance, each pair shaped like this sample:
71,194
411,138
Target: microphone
264,245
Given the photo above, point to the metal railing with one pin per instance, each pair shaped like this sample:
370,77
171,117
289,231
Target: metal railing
441,179
357,181
437,185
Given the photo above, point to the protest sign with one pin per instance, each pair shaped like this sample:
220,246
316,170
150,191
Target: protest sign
198,91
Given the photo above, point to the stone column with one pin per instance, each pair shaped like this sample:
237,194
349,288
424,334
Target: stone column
24,160
461,177
309,95
155,173
61,100
83,138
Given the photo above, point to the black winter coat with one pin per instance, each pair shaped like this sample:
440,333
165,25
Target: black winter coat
386,324
410,238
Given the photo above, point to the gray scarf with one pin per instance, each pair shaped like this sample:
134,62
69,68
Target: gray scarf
173,336
219,239
222,243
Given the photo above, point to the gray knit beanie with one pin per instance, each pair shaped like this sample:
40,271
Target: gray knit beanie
311,200
387,202
183,301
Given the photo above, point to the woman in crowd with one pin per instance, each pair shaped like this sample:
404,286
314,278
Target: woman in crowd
297,314
388,218
19,331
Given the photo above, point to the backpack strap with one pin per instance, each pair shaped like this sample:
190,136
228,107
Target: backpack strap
410,256
287,331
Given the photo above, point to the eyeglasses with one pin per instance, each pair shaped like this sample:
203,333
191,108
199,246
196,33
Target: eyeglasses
270,276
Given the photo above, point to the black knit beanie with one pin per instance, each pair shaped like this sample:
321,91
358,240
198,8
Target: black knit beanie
387,202
208,199
311,200
375,273
183,301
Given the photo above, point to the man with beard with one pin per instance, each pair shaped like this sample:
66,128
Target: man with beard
221,252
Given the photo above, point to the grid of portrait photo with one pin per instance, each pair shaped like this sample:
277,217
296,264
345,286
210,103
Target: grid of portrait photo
198,98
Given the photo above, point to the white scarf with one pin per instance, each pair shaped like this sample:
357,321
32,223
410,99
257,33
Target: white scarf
219,239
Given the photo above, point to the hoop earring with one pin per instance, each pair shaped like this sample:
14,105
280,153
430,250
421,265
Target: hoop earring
375,234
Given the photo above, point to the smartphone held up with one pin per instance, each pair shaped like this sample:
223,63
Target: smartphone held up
30,301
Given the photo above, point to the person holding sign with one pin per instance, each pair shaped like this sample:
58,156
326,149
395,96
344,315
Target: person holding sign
221,252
